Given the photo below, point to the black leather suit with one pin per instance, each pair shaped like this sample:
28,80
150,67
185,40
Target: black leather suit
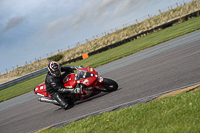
55,87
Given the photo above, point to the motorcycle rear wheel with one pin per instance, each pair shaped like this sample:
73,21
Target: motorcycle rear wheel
110,85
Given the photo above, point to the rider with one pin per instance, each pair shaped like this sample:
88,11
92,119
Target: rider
54,82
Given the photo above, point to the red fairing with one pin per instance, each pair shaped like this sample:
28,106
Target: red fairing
69,81
41,90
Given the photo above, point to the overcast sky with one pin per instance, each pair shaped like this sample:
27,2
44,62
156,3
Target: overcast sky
31,29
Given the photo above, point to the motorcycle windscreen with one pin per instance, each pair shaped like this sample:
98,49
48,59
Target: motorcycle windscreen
83,74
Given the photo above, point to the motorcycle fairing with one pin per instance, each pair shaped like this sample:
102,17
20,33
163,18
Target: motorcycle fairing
69,81
41,90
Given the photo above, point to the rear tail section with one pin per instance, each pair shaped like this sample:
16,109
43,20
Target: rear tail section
41,90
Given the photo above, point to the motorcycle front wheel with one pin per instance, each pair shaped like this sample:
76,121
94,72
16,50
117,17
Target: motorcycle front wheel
109,84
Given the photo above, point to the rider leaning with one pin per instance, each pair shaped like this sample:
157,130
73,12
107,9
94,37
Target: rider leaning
54,82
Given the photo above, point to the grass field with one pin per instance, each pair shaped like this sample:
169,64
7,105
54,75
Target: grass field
111,55
175,114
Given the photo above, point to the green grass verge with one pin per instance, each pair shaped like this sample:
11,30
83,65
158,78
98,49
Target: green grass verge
21,88
112,54
180,113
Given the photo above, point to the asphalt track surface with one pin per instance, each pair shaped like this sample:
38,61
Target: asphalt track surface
161,68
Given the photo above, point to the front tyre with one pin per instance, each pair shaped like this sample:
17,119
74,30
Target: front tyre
109,84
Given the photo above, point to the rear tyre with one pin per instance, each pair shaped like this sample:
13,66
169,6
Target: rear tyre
109,84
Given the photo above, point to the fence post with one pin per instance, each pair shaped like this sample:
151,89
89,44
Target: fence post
168,8
177,4
136,21
149,16
160,12
171,7
6,70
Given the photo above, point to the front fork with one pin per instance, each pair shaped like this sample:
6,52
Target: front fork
99,86
100,80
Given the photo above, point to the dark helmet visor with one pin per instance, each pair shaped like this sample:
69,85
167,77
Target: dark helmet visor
57,72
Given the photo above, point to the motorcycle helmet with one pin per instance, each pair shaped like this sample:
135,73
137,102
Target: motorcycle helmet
54,69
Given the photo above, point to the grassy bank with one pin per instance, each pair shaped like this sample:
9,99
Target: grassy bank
107,39
21,88
142,43
180,113
112,54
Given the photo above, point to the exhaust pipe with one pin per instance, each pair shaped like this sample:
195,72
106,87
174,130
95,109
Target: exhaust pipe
48,100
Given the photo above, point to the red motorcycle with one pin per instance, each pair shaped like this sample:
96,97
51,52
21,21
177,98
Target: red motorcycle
86,79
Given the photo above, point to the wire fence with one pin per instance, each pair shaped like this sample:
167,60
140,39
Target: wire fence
132,22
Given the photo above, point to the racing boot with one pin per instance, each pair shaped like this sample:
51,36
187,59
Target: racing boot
64,104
